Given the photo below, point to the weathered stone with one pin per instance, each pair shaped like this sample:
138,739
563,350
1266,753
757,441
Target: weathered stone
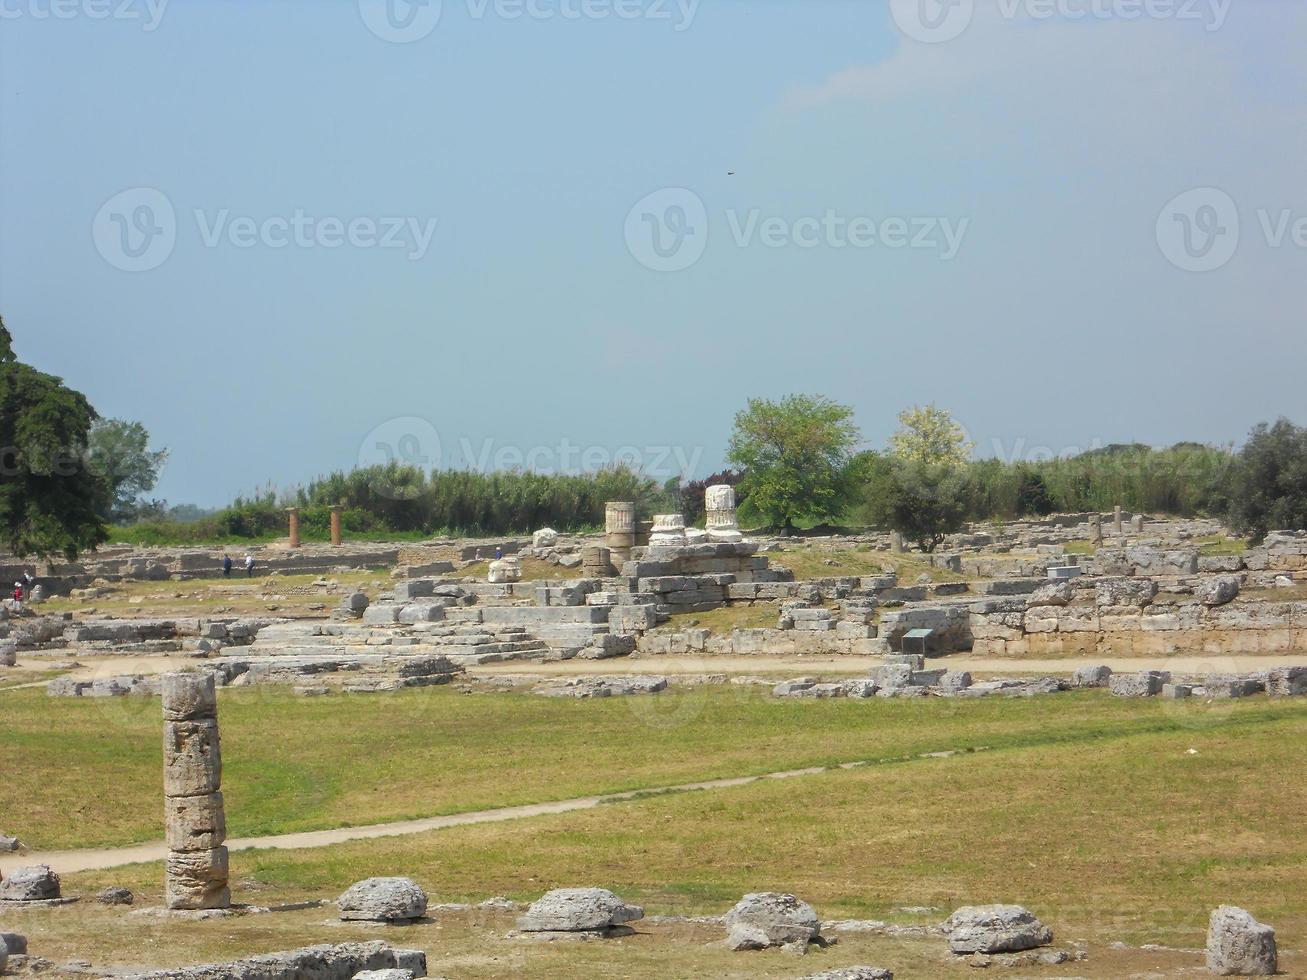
854,973
506,570
386,974
578,910
1145,684
342,962
192,761
546,537
197,880
8,653
194,823
383,900
1093,675
14,943
953,681
188,697
115,896
765,919
1053,594
1240,946
1217,591
1137,592
994,929
1284,682
35,884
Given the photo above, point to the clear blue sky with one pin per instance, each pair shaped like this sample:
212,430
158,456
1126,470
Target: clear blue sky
1050,146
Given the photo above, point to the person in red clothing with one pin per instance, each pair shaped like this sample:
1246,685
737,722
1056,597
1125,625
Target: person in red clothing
18,596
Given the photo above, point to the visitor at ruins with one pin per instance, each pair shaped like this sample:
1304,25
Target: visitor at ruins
226,566
18,597
29,583
249,566
499,553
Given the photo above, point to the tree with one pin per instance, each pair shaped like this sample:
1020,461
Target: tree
119,452
795,455
48,496
1267,486
929,435
922,501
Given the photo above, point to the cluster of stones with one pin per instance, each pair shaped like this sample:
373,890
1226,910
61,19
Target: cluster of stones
195,823
28,886
346,961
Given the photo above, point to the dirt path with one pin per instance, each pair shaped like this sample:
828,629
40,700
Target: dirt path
68,862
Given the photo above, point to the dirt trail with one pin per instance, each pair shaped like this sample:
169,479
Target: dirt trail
68,862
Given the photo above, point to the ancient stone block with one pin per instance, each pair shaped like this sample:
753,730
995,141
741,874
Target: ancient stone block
192,761
194,823
187,697
197,880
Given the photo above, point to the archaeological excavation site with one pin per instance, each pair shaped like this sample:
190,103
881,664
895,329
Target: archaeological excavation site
653,489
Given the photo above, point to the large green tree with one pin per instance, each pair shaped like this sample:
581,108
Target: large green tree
795,454
120,453
48,495
922,501
1267,485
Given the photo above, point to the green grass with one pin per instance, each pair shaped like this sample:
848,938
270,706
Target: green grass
1080,548
1094,813
86,772
810,563
1220,545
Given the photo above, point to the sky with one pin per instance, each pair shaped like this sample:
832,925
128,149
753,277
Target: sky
295,236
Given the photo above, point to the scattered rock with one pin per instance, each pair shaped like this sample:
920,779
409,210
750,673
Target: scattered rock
1094,675
1217,591
9,843
34,884
1240,946
384,975
766,919
13,943
115,896
1053,594
854,973
383,900
994,929
1145,684
578,910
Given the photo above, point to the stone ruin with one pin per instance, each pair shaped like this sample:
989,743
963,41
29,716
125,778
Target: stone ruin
194,820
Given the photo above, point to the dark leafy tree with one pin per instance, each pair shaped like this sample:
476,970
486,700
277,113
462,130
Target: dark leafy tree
1267,485
49,497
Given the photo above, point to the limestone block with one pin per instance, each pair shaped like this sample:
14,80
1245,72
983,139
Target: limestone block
1240,946
192,761
194,823
197,880
187,697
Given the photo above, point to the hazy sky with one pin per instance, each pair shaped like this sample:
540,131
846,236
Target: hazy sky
293,236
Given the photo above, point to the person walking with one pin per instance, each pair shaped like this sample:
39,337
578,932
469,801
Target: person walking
226,566
29,583
18,597
249,566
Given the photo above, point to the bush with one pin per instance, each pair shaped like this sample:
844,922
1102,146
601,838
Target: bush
1267,486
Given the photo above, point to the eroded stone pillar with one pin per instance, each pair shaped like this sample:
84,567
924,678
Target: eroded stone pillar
1137,523
619,529
719,503
668,530
1117,520
1096,529
335,526
294,513
896,543
195,824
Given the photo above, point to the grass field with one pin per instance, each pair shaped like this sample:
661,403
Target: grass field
809,562
1112,820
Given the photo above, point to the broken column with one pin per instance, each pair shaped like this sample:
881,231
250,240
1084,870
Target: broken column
719,502
1137,523
1096,529
619,529
294,513
335,526
195,873
668,530
1117,519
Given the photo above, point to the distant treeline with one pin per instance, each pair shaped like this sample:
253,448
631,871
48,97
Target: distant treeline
405,502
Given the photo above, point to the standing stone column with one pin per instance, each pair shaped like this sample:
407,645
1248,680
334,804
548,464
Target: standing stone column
1117,518
1096,529
335,526
1137,523
195,873
719,502
896,544
619,530
294,513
